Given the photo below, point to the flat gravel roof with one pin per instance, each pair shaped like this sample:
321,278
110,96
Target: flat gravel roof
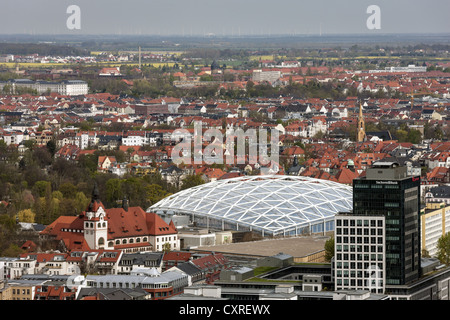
294,246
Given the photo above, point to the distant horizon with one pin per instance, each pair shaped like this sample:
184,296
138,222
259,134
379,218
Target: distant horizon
223,18
220,42
227,35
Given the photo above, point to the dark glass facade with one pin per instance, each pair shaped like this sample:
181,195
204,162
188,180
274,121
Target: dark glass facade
398,200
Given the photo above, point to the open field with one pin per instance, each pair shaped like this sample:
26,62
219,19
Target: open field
271,57
68,65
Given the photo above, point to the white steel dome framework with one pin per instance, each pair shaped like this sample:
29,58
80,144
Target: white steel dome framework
271,205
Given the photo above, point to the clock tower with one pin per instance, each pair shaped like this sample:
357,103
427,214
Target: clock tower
95,223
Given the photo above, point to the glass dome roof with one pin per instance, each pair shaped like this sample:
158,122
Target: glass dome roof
272,205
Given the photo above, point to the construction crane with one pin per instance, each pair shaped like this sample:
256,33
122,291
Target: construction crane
412,94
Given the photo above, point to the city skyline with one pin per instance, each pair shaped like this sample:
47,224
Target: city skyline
231,18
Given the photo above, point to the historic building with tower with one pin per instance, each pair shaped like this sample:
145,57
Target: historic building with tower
361,133
129,229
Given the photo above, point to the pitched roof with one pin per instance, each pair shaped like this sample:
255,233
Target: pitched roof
121,223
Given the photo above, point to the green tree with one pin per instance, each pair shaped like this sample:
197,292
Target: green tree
402,135
191,181
414,136
134,190
443,247
12,251
329,249
57,195
155,193
29,144
114,190
42,157
68,190
26,215
166,247
8,223
51,147
89,162
40,187
81,201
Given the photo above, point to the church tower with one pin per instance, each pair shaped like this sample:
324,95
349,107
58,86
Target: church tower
95,224
361,133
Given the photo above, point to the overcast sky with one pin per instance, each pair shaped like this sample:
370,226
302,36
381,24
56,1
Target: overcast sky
223,17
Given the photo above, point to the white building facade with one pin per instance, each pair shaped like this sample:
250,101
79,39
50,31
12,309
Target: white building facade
66,87
360,253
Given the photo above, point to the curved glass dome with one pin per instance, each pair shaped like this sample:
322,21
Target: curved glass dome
271,205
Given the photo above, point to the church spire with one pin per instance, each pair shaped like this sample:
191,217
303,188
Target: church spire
125,204
95,199
295,161
361,133
95,192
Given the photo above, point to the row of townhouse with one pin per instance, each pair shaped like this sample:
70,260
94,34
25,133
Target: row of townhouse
102,262
306,129
160,275
42,263
110,140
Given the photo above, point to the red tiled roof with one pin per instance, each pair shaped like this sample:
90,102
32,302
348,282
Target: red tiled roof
180,256
121,223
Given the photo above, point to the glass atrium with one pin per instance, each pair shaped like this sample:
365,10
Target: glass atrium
273,205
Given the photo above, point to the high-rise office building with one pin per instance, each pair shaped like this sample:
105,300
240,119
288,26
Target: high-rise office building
378,243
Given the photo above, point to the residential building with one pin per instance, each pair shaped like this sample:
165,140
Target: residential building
129,229
159,285
18,290
195,274
66,87
21,266
262,75
5,263
133,261
438,194
211,266
113,294
55,292
110,72
435,223
175,258
197,238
